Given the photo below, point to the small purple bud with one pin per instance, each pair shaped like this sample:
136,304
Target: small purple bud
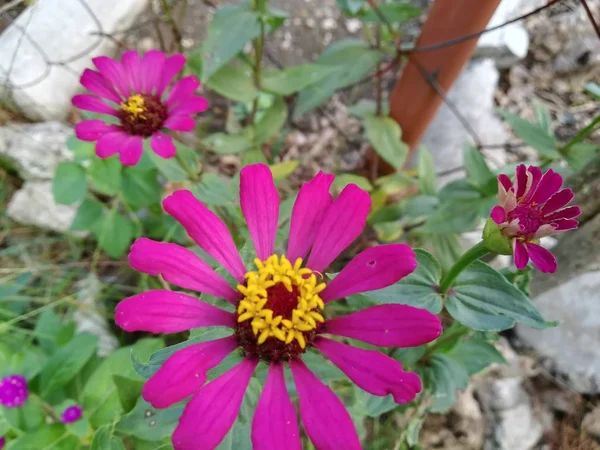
13,391
2,442
71,414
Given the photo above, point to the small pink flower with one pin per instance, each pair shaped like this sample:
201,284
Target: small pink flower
13,391
136,93
71,414
279,315
532,207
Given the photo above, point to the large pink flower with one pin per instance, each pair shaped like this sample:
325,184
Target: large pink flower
136,93
532,207
279,314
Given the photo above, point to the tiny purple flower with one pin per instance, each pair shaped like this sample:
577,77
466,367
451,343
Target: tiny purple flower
71,414
2,442
13,391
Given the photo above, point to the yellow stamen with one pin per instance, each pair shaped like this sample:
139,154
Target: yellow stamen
134,107
305,315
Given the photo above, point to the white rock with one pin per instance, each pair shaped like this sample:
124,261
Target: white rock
60,31
591,423
89,317
473,96
328,24
571,348
35,149
353,25
34,205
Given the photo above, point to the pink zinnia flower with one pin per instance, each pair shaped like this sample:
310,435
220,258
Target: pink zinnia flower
13,391
531,208
71,414
135,92
279,315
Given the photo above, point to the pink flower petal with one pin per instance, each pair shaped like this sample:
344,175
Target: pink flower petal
565,224
567,213
171,67
180,123
541,258
521,180
183,90
388,326
163,311
211,412
179,266
371,370
520,254
92,130
132,66
534,176
310,206
184,372
163,145
97,84
343,222
150,70
557,201
114,72
193,105
275,426
498,214
131,151
373,268
549,185
504,182
92,103
326,421
111,143
207,230
260,204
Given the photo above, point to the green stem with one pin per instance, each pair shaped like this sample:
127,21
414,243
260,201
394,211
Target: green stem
470,255
186,168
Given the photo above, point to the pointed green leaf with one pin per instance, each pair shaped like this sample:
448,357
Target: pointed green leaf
386,137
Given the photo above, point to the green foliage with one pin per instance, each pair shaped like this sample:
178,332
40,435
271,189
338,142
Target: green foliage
385,136
294,79
69,185
533,134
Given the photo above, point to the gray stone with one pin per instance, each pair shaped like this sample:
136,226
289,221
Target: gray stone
511,423
591,423
63,32
35,149
571,349
473,96
34,205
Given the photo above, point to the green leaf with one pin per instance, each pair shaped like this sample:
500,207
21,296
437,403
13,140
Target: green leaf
253,156
100,397
476,355
148,423
272,121
140,188
88,215
393,12
104,439
158,358
594,89
386,137
446,247
427,178
343,180
129,390
234,81
82,150
533,135
69,184
274,18
373,405
46,437
46,329
115,233
580,154
215,190
228,32
67,362
105,175
478,172
284,169
542,116
350,6
28,417
484,300
170,168
446,375
225,144
294,79
419,289
413,431
352,59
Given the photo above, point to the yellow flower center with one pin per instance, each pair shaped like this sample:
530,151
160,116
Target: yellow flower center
281,300
134,107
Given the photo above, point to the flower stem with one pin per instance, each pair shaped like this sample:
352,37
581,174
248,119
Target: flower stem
186,168
470,255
